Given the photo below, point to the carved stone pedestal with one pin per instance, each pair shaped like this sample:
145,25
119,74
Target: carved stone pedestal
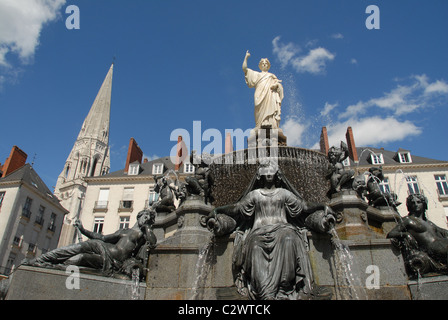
358,220
353,220
266,137
191,264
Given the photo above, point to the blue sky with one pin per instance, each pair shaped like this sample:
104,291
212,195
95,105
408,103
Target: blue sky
180,61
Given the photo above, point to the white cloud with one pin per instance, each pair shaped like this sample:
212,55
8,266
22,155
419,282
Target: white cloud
293,130
401,100
283,52
314,62
328,108
337,36
372,131
150,158
372,128
437,87
21,23
353,61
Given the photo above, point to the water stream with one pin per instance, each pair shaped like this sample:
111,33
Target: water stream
203,267
347,275
135,286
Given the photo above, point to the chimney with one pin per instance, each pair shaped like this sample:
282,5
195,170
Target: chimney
134,154
16,160
228,144
351,145
324,146
181,153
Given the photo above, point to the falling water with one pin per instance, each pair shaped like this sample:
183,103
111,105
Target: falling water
135,286
348,280
203,266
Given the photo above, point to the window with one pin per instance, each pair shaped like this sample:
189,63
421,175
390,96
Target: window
412,185
157,168
442,185
52,224
32,247
134,169
10,263
46,246
67,171
153,197
188,168
377,158
2,196
26,211
103,198
384,185
40,215
128,197
124,222
98,224
95,162
346,162
404,157
18,239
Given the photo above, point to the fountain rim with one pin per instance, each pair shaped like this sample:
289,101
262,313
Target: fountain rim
215,160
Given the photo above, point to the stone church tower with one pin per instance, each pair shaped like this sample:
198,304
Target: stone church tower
89,157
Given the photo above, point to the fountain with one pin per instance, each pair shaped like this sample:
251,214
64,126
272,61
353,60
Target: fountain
333,237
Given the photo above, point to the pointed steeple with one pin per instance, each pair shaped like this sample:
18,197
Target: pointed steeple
96,124
89,157
90,154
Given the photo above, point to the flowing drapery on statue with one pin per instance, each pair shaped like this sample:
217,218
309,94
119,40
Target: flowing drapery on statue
273,253
270,259
268,94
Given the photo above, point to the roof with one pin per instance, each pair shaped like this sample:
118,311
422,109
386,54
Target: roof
145,169
29,176
391,158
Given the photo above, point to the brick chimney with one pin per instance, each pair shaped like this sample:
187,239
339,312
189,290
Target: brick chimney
180,156
324,146
16,160
228,143
351,145
134,154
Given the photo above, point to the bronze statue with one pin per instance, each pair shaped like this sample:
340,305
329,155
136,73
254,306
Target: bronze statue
375,196
424,245
200,183
111,253
270,258
167,193
339,175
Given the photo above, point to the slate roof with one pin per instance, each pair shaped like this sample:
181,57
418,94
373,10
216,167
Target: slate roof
145,169
390,157
29,176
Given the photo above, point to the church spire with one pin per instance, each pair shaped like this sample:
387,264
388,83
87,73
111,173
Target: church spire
96,124
89,157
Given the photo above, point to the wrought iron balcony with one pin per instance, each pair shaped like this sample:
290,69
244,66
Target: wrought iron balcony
101,206
126,206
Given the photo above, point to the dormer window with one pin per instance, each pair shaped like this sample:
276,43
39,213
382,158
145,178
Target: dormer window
134,169
346,162
188,168
404,157
157,168
377,158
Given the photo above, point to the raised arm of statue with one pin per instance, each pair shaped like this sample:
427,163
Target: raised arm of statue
245,61
111,238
